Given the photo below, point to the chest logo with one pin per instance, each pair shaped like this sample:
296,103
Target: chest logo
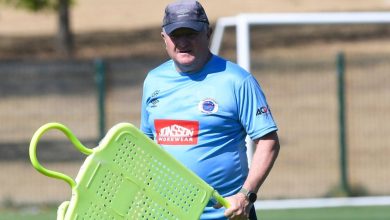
208,106
154,100
176,132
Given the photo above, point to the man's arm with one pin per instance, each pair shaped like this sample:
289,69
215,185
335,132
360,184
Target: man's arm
267,149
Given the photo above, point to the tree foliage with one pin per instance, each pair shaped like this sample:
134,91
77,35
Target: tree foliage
61,7
34,5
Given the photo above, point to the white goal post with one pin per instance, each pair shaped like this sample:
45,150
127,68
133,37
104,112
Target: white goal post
242,22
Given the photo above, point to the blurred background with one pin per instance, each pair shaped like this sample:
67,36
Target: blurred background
84,65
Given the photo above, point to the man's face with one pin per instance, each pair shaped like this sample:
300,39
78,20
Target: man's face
188,48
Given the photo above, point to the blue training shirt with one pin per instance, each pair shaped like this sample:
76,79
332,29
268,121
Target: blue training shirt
202,119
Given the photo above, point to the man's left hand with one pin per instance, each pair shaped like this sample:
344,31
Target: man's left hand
239,207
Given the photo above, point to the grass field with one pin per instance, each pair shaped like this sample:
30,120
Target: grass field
341,213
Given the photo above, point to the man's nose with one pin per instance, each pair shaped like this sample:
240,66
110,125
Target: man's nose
182,41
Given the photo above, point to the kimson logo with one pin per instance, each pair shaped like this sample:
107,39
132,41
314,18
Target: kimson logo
176,132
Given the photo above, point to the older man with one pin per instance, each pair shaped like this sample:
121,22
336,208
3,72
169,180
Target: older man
200,107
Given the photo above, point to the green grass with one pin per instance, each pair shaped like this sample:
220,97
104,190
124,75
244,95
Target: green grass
46,214
342,213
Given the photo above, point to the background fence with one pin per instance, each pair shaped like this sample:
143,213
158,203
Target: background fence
304,97
300,82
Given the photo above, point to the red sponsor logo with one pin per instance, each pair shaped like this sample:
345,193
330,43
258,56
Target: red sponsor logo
176,132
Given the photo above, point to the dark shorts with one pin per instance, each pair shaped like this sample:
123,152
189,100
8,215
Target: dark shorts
252,214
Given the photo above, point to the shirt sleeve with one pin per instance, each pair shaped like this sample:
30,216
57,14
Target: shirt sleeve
145,126
254,112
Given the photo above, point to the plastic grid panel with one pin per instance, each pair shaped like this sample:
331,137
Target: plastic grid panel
144,207
96,211
153,175
109,187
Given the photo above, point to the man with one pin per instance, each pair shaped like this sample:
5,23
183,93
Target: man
199,107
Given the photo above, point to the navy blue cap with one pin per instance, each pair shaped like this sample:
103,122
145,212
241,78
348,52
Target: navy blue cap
184,14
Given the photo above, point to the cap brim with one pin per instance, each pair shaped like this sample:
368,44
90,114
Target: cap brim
195,25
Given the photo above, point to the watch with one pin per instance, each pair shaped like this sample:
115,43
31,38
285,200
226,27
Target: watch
251,196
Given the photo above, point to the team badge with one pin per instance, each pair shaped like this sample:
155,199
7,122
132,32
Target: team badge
208,106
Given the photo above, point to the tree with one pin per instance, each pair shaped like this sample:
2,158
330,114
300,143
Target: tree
65,43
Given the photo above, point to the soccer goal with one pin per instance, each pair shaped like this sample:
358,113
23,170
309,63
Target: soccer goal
243,22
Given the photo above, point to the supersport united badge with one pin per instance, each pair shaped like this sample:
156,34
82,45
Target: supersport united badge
208,106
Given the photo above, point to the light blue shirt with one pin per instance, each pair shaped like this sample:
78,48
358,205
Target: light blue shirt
202,119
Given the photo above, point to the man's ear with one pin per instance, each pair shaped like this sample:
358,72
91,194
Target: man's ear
163,37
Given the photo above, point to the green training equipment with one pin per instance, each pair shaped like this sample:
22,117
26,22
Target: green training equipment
128,176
